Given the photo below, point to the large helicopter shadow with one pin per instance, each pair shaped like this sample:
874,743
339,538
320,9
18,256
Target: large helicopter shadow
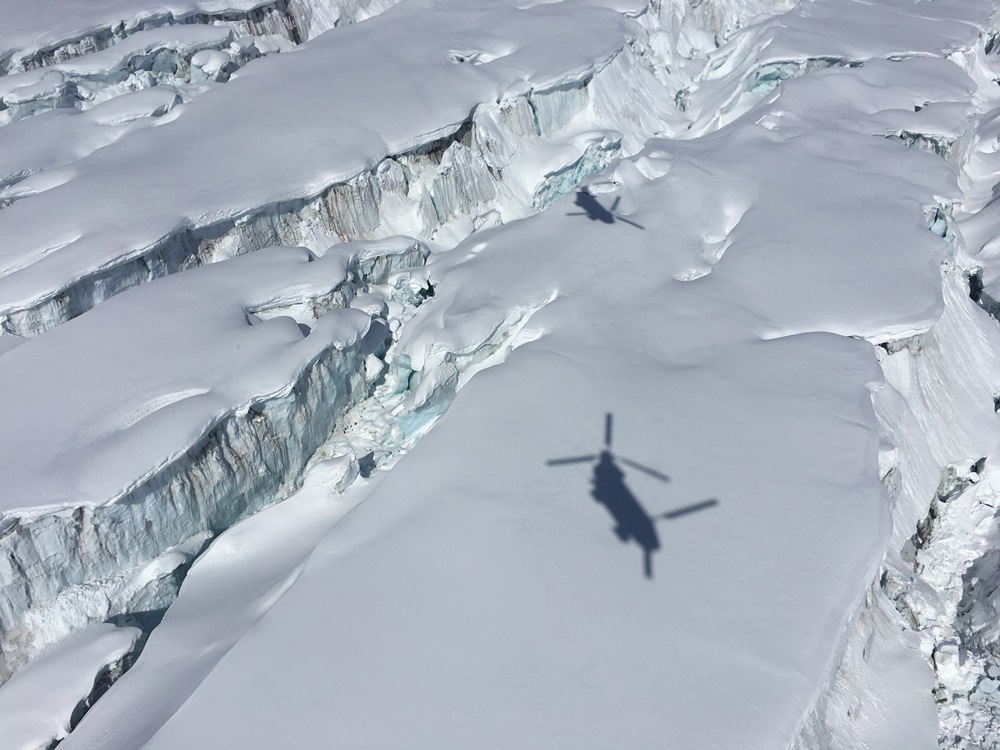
632,521
594,211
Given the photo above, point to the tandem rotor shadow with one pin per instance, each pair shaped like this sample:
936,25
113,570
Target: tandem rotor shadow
632,522
594,211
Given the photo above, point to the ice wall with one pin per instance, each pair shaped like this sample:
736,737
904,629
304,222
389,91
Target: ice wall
238,452
935,592
939,412
45,703
488,166
266,19
38,40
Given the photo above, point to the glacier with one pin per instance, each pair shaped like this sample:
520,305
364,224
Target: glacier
299,301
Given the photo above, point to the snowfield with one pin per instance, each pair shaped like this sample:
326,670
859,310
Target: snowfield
435,374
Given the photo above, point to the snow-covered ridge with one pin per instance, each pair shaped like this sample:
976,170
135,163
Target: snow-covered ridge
266,19
942,570
470,173
937,411
237,443
23,46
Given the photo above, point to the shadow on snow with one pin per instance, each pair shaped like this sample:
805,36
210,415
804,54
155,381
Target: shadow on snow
632,522
594,211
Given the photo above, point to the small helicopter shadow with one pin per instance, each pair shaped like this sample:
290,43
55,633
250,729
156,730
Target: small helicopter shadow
632,522
594,211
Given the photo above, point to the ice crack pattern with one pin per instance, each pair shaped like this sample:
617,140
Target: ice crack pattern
278,239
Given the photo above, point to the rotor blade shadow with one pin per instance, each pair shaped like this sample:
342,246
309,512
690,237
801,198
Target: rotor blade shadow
694,508
570,460
629,221
644,469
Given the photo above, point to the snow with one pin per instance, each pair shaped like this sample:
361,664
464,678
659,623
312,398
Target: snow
143,458
630,386
216,159
490,584
38,704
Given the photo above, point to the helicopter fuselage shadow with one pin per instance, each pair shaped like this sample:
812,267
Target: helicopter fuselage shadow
594,211
632,521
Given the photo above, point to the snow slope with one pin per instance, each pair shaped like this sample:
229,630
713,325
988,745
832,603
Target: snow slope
707,276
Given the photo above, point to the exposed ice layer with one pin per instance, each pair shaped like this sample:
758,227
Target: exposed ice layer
173,56
458,176
223,435
822,34
927,457
44,702
48,36
200,48
313,17
766,77
942,578
375,433
268,548
681,31
254,18
940,146
941,433
137,597
597,154
942,571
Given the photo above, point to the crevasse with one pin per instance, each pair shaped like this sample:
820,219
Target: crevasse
459,180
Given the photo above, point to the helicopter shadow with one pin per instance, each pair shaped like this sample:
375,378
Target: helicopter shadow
594,211
632,521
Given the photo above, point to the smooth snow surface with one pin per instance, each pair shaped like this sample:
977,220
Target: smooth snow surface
39,704
573,374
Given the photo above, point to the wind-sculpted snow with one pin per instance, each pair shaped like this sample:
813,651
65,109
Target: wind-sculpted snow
816,35
739,464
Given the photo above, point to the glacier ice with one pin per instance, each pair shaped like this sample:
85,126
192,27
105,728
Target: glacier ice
458,176
228,460
785,230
